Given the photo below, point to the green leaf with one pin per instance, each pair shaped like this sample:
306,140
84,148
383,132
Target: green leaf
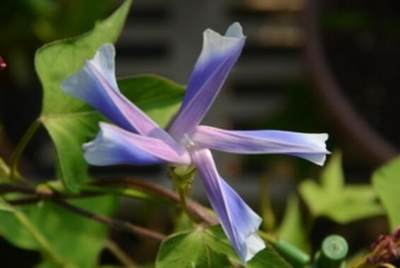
268,257
69,121
210,248
198,248
159,97
36,237
68,134
292,229
386,183
220,243
332,197
182,222
71,237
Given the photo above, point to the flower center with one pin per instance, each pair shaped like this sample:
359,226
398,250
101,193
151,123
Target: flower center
187,142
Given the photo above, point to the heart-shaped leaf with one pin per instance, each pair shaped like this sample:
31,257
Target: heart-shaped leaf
71,122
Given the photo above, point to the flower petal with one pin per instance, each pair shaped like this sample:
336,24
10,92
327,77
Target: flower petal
216,60
311,147
238,220
96,84
114,145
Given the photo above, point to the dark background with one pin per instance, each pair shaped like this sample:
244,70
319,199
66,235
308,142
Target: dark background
275,85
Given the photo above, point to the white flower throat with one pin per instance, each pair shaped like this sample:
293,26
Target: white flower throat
187,142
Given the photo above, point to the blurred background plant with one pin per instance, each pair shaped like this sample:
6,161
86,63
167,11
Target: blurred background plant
28,24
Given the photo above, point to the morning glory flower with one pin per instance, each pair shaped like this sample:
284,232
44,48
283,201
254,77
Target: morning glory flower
136,139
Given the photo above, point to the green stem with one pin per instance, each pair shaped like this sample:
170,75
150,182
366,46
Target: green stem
120,254
184,203
268,237
15,157
333,252
292,254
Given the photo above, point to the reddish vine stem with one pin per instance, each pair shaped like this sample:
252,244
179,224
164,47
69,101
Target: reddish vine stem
112,223
37,198
38,194
10,188
58,198
194,208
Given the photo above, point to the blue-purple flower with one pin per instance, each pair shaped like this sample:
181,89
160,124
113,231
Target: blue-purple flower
136,139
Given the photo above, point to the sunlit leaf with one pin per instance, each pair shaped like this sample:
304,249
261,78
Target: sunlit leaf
386,183
337,201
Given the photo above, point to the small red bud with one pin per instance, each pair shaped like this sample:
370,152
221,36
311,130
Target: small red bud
385,248
3,64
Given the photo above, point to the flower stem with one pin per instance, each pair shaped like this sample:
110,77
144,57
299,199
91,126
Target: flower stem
182,177
15,157
184,203
196,210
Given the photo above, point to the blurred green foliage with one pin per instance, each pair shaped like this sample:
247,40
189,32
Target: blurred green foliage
334,199
46,20
28,24
292,226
